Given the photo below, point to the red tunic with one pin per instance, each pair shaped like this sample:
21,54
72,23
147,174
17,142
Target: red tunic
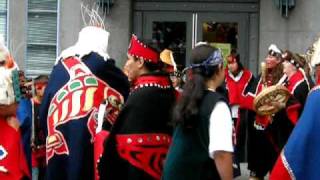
12,158
293,110
236,88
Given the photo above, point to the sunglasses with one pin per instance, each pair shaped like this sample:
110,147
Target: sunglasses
274,54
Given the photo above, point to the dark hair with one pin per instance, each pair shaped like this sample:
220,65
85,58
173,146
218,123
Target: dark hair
187,108
297,60
234,54
240,65
237,57
41,78
274,74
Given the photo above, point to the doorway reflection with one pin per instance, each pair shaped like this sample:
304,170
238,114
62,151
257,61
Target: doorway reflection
223,35
171,35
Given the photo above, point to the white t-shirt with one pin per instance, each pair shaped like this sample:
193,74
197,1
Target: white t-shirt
220,129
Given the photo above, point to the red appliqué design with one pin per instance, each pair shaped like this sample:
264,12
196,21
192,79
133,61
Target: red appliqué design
145,151
78,98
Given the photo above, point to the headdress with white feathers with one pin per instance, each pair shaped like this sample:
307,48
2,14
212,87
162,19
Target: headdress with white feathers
92,38
313,53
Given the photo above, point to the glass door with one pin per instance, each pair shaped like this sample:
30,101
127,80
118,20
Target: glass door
180,31
172,30
227,31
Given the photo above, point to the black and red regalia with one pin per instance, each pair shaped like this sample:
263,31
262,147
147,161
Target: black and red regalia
140,138
237,86
268,134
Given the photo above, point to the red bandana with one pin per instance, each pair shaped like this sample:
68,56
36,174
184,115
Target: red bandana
140,50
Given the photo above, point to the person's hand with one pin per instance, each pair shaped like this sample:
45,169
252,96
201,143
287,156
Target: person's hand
13,122
278,105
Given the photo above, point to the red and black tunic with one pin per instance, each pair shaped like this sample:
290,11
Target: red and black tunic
265,146
140,138
237,88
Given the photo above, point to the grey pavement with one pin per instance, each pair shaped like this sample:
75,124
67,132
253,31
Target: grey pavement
245,174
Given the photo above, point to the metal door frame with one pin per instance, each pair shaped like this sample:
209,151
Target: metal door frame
192,9
243,32
151,16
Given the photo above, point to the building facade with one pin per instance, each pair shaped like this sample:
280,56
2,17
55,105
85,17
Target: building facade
38,30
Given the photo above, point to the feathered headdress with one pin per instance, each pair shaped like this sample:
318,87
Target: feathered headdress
313,53
92,38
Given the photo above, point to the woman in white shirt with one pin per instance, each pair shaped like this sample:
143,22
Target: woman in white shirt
202,144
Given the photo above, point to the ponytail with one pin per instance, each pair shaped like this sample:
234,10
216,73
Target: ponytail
205,63
188,107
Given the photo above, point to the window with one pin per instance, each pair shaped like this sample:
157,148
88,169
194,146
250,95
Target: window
3,18
171,35
41,36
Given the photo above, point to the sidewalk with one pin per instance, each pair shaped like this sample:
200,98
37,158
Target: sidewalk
245,174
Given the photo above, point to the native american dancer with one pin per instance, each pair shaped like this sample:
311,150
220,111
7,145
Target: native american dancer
296,82
238,83
13,164
33,136
141,136
202,143
170,66
269,133
300,157
84,85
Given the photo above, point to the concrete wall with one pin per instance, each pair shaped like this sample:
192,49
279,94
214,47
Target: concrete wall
119,25
117,22
70,23
296,33
17,30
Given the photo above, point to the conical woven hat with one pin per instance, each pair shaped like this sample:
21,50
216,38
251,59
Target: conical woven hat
166,56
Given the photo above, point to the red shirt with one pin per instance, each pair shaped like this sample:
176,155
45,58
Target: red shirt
12,157
236,88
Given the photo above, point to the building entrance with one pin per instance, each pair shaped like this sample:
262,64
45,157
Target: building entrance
180,25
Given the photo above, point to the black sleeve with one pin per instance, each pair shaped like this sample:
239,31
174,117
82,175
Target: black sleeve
301,93
251,87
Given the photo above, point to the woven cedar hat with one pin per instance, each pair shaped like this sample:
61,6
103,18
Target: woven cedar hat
166,56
